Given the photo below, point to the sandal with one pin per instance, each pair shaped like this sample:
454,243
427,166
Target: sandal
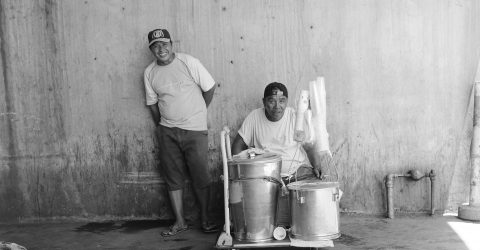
210,228
174,230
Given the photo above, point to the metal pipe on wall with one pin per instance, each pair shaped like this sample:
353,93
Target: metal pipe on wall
389,185
415,175
432,192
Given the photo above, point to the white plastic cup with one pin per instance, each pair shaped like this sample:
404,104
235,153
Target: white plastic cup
279,233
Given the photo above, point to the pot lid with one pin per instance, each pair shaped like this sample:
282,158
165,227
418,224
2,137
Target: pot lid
261,158
311,185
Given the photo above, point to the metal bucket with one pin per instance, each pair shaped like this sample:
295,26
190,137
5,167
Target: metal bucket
253,193
314,210
264,165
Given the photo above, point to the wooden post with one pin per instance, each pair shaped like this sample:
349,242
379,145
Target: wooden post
472,210
475,151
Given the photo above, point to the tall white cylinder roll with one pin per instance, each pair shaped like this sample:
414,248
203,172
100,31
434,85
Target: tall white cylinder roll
319,114
299,123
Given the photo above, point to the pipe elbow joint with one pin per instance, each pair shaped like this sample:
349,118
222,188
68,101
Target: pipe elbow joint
389,180
415,175
432,174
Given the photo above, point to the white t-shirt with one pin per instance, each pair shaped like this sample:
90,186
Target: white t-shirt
277,137
177,88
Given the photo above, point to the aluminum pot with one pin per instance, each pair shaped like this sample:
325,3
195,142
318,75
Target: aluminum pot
314,210
261,166
253,188
252,205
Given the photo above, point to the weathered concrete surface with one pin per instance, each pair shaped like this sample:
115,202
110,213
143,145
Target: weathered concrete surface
73,122
358,232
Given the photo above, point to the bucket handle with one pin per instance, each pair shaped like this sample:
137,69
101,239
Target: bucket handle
300,197
336,195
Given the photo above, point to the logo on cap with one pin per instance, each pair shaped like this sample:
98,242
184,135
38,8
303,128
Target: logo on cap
277,92
157,34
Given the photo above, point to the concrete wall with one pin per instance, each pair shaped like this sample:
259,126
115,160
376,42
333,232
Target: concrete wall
76,136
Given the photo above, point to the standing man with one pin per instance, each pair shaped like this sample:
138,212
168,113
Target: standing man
178,91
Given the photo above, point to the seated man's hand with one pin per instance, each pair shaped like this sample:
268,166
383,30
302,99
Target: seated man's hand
320,175
318,172
321,161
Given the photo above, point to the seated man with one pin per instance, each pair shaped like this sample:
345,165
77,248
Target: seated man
272,129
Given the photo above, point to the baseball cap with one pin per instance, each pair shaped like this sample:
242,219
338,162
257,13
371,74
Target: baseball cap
158,35
275,88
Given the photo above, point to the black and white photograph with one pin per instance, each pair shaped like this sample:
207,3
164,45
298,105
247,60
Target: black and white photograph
240,124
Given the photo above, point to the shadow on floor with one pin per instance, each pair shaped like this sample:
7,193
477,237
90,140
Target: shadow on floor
133,226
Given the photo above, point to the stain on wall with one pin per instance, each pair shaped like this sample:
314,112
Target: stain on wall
10,192
77,138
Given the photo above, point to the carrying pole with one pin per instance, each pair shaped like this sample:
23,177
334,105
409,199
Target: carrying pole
225,239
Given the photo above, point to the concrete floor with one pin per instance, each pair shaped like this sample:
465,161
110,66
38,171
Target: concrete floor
358,232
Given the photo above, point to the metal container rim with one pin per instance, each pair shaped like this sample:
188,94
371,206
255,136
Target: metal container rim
311,185
264,158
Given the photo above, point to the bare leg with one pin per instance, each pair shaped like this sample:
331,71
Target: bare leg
176,198
203,195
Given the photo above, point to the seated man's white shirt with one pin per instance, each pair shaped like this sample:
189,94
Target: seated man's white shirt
277,137
178,87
